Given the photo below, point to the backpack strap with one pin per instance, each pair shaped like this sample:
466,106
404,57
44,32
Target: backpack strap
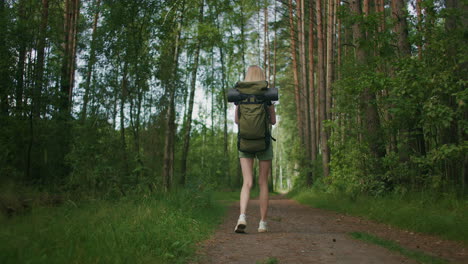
252,99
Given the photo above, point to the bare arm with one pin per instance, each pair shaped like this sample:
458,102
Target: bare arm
271,108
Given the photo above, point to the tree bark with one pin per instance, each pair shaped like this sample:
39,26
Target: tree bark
401,27
225,118
380,8
295,72
266,43
274,50
330,55
74,41
366,7
91,61
455,134
312,105
419,26
369,108
188,119
168,164
322,91
21,59
225,107
37,104
65,82
338,44
242,29
303,90
123,96
4,69
69,54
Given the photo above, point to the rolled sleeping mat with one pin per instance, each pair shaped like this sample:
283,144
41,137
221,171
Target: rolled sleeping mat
271,94
234,95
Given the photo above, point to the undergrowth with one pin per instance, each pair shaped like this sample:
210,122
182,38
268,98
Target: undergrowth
160,228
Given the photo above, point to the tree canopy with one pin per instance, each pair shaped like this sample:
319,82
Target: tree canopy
111,97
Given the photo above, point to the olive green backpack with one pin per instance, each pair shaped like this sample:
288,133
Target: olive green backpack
254,118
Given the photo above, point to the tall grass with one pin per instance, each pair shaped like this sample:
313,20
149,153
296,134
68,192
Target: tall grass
229,196
444,216
148,229
419,256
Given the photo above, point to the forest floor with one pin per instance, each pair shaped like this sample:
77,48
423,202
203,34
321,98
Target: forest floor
301,234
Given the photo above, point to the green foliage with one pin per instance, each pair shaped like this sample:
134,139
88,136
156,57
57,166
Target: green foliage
116,147
443,215
422,108
95,160
269,260
143,229
288,151
209,167
349,169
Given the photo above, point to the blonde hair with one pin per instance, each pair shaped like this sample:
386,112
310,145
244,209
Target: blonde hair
254,74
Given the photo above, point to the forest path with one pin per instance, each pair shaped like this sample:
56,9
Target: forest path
301,234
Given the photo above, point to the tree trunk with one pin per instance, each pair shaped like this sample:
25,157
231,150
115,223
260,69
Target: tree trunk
455,134
313,121
114,112
123,96
37,104
91,61
242,29
266,43
137,124
369,108
21,59
168,165
69,54
188,119
295,72
73,43
330,55
338,44
303,90
401,27
380,8
274,51
366,7
322,91
4,71
413,134
419,26
225,107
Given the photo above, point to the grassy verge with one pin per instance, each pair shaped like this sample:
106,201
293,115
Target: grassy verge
270,260
393,246
227,196
232,196
151,229
446,217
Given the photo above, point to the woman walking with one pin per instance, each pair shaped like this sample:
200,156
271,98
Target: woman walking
255,76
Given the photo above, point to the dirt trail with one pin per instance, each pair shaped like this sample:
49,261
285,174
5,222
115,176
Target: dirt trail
300,234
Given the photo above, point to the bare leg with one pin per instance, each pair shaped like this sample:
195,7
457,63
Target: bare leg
247,174
265,166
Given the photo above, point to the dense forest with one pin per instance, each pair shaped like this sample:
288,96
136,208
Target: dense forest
115,97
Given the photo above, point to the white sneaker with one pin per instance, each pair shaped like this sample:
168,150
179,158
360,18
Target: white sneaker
262,227
241,224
